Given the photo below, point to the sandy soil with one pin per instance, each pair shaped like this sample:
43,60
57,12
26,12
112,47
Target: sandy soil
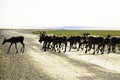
35,64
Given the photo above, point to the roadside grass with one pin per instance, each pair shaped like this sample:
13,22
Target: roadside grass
69,33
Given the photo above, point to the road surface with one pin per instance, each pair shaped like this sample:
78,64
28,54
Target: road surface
35,64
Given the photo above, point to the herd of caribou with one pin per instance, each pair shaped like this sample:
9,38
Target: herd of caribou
86,42
58,43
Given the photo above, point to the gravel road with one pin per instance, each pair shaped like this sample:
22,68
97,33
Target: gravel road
35,64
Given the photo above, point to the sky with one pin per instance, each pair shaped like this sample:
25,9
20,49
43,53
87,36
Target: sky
43,14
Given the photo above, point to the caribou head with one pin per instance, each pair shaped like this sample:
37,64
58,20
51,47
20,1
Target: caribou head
4,41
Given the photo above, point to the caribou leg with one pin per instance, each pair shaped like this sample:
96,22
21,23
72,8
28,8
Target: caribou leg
23,47
102,49
82,47
9,48
53,47
79,46
49,45
16,48
113,49
45,46
70,46
86,48
109,49
98,49
65,46
59,47
94,49
90,47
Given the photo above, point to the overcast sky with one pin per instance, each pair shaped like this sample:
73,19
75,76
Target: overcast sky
99,14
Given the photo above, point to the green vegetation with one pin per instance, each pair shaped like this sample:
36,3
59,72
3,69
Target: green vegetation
80,32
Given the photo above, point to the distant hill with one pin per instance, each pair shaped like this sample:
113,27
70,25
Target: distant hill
73,27
86,28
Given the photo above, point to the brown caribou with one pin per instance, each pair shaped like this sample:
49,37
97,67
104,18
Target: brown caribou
15,40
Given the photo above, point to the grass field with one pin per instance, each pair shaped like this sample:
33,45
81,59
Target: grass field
80,32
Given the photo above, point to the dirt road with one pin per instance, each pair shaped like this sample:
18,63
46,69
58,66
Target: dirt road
35,64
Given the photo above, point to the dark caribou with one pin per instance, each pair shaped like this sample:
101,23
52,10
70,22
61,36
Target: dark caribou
15,40
96,43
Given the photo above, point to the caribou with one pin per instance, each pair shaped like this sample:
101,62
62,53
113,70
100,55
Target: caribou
52,41
97,43
15,40
47,40
58,41
92,41
114,41
74,40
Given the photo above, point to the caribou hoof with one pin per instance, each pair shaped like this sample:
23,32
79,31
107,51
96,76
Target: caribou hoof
108,52
102,53
114,51
23,51
97,52
93,53
85,51
45,50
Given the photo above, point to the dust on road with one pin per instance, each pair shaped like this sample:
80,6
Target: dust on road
35,64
